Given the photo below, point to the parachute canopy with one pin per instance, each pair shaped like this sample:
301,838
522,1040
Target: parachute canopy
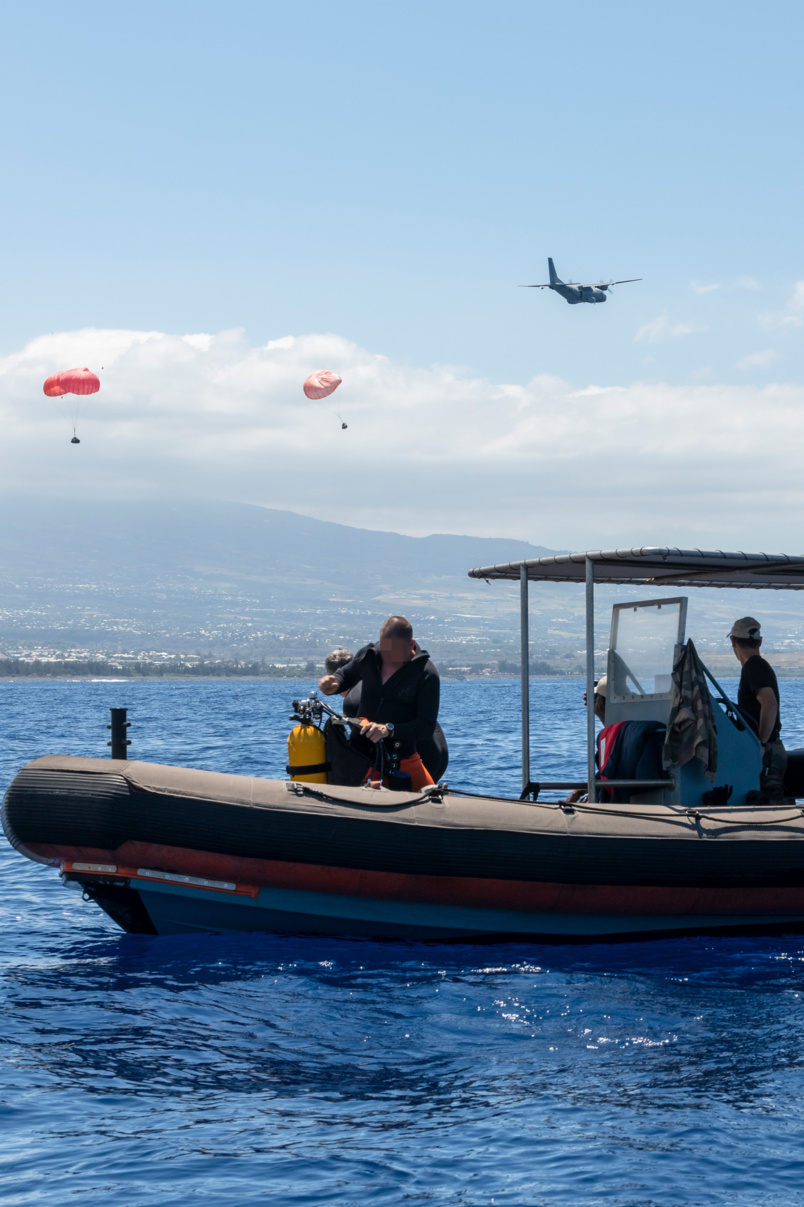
322,384
52,387
71,381
79,381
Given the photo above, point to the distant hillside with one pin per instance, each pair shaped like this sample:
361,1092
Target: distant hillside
233,578
235,581
75,539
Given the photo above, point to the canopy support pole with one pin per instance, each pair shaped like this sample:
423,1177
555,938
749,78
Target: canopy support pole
590,677
524,673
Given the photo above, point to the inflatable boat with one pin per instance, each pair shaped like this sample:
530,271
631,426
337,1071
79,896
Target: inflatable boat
167,850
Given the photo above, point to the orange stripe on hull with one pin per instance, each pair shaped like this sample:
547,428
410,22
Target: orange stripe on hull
91,868
527,896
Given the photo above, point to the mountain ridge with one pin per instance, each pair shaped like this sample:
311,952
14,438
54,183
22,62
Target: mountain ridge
232,578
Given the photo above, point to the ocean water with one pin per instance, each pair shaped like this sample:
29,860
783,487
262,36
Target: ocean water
244,1069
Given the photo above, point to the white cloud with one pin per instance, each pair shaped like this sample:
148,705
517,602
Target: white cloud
738,283
791,317
661,328
779,321
758,360
426,450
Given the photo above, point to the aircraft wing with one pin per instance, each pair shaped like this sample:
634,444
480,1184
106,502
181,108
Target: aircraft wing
603,284
534,286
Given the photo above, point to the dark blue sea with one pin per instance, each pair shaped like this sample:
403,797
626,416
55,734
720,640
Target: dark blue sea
231,1070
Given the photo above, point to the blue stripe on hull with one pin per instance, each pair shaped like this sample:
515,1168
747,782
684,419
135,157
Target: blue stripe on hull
175,909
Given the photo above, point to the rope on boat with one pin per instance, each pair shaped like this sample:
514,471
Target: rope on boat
692,815
437,791
299,788
696,815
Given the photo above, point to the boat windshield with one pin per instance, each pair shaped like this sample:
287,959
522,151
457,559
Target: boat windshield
645,638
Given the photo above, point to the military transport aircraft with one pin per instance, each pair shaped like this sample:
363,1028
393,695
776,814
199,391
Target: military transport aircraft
579,293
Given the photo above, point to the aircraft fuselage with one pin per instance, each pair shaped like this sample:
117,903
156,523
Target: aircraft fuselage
580,293
572,293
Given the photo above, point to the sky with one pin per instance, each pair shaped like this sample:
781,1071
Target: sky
210,200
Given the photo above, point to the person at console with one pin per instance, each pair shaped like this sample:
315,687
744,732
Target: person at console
758,700
400,694
600,713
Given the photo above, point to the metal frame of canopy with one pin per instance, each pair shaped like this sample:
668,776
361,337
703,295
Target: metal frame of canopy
649,567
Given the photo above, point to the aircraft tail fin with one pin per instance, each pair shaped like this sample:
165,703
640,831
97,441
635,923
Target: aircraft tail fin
554,277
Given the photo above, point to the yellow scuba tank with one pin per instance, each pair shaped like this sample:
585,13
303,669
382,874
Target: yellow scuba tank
307,755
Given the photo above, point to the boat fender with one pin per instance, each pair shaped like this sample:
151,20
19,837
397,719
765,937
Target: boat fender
307,759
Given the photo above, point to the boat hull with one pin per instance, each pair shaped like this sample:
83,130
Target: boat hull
184,909
165,850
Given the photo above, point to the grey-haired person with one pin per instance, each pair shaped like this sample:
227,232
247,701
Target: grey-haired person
758,699
337,658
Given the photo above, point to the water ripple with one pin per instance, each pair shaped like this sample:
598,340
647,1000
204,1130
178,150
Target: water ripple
246,1068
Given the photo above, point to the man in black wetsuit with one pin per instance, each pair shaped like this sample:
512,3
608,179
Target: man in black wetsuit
758,698
400,691
434,750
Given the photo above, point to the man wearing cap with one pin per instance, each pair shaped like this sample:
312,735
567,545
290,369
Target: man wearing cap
758,698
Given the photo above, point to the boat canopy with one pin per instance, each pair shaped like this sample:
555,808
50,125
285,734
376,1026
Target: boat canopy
648,566
655,567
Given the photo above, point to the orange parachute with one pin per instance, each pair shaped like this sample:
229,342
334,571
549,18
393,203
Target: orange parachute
321,384
72,381
79,381
52,387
